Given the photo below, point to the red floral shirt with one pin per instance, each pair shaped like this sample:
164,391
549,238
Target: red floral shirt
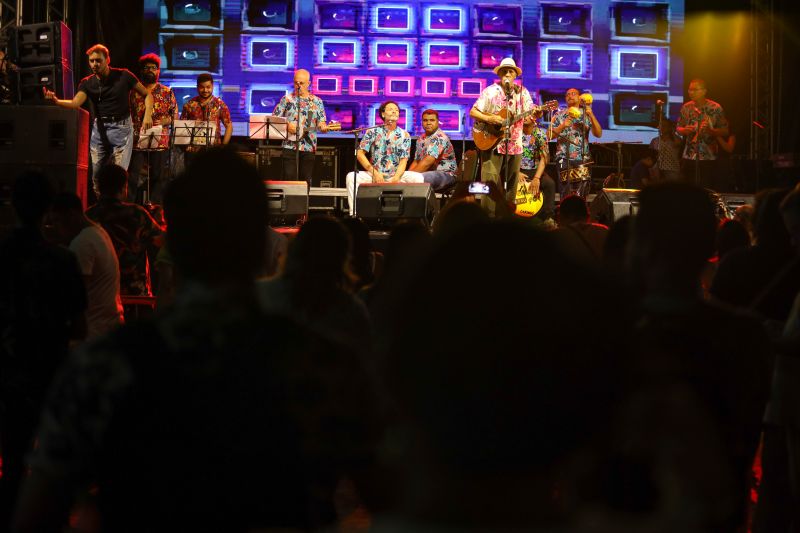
164,106
214,111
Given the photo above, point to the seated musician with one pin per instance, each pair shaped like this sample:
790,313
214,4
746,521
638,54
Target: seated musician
535,155
388,147
571,128
434,157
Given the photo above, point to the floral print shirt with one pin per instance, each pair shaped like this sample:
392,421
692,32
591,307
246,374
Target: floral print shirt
312,112
386,148
493,99
439,147
534,148
214,111
164,106
691,114
572,137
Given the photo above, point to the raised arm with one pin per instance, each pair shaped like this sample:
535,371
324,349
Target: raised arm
77,101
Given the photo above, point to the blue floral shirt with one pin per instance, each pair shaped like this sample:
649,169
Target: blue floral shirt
439,147
534,148
312,111
386,148
572,137
691,114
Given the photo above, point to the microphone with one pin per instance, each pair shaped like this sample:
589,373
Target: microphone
507,84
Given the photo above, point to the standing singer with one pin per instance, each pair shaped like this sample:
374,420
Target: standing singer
304,111
208,108
504,159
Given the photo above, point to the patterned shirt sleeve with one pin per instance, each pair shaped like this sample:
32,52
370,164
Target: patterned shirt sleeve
404,148
224,113
280,107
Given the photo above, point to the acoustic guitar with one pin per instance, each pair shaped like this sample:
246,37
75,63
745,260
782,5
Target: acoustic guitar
526,204
486,135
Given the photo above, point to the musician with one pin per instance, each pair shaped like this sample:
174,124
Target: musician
535,154
389,147
571,128
668,145
107,91
207,107
702,121
504,94
434,157
305,110
165,108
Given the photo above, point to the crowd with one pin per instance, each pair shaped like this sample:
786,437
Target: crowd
489,374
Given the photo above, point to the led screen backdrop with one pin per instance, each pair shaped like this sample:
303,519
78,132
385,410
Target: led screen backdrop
423,54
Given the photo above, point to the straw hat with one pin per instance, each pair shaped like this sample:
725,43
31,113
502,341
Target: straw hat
508,62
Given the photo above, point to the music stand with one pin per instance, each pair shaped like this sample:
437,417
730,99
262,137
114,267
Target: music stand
152,140
267,127
199,133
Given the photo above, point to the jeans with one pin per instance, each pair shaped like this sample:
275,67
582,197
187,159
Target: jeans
111,142
439,179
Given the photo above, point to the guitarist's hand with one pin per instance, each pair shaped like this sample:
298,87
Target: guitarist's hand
533,186
496,120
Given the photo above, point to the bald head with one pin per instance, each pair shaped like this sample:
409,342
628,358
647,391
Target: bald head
302,80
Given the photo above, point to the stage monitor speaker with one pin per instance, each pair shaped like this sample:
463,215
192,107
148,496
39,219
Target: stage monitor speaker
287,202
56,78
47,43
609,205
383,205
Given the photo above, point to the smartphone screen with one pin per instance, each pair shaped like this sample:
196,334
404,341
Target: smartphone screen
477,187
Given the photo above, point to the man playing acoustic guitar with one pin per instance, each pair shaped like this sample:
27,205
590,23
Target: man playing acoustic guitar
515,100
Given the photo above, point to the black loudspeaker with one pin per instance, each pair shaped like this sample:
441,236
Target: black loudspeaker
56,78
48,43
382,205
610,205
326,165
287,202
52,140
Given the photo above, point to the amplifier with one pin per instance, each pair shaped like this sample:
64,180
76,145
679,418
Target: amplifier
326,165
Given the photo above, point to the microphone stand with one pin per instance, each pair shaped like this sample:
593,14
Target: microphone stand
507,134
297,137
463,145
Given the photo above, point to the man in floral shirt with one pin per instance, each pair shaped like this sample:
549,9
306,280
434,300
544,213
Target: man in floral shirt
535,154
702,121
434,156
207,107
311,113
493,99
571,128
134,233
150,152
389,147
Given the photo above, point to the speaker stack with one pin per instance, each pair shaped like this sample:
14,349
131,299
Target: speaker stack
43,53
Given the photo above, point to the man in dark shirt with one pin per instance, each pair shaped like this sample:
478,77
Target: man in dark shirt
133,231
640,172
107,89
42,300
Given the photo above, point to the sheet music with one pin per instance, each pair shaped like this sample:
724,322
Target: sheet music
195,132
270,127
154,138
